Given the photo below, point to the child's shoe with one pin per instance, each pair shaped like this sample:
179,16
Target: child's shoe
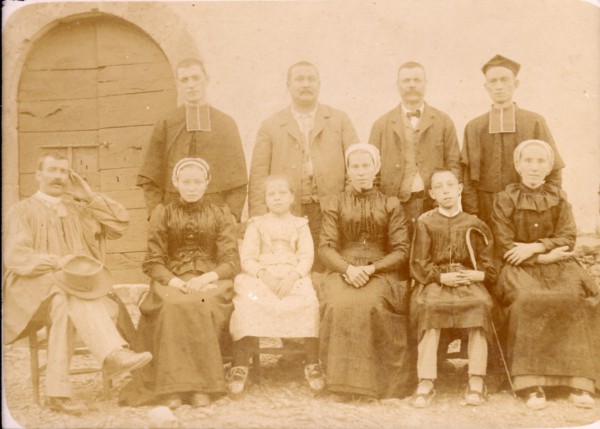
581,398
475,396
314,377
236,379
423,396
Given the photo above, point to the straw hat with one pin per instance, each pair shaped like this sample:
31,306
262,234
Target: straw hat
84,277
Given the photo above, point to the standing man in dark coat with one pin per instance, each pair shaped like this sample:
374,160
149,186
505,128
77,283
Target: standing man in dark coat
195,130
490,140
414,139
305,142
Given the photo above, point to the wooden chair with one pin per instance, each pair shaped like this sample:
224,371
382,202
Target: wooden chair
278,351
35,345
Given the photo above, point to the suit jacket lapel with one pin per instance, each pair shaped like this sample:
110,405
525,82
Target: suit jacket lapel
321,118
426,119
396,123
290,124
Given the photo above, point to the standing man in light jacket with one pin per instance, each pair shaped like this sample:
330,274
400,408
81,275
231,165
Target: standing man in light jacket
414,139
305,142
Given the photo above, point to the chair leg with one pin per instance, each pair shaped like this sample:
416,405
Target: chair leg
106,385
35,367
256,366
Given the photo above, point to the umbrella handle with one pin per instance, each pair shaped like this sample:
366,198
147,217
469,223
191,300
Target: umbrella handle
470,247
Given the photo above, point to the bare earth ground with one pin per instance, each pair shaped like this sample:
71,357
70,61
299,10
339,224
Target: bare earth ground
282,400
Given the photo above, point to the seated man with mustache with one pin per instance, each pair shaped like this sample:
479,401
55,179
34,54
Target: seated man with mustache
44,234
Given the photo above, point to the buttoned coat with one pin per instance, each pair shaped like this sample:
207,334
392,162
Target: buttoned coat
436,147
278,150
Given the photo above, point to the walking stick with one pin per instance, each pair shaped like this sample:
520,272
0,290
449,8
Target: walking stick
474,262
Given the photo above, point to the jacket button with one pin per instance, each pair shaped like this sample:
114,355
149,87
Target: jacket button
397,165
293,166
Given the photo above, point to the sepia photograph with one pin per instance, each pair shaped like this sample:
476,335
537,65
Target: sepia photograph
301,214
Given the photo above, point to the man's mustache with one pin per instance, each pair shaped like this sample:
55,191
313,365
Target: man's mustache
57,182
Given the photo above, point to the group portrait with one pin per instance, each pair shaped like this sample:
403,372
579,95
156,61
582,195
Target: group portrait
301,214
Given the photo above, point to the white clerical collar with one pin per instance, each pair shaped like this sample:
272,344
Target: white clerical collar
54,201
448,213
405,111
297,115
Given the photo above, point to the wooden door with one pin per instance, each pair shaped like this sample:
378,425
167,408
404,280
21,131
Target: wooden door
92,89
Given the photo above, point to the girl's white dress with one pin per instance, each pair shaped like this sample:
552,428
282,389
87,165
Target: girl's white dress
279,245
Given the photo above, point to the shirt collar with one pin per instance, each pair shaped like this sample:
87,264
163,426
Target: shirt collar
447,213
49,199
405,111
297,115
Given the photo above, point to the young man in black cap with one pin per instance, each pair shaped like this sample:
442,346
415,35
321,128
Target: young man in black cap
490,139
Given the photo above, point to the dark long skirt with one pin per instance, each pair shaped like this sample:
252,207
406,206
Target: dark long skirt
185,334
553,320
364,336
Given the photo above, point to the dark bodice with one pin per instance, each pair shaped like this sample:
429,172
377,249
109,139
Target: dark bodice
368,222
191,237
525,215
440,245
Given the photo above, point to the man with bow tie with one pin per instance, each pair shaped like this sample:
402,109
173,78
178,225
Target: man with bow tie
414,139
490,140
305,142
44,232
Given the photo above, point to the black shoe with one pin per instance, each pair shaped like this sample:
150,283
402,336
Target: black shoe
66,405
535,398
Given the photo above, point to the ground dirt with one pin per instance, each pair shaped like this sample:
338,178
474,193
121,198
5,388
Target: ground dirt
283,400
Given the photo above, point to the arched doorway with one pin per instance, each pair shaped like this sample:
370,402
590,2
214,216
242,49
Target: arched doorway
92,89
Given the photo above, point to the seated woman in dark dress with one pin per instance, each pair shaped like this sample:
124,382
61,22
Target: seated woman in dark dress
191,258
363,301
550,301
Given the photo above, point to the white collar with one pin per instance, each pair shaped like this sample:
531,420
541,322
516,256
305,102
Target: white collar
448,213
405,111
298,115
48,198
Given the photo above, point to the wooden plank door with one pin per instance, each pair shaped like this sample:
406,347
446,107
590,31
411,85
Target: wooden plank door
94,88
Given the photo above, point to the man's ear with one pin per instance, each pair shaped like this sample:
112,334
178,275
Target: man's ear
38,175
517,82
431,194
460,188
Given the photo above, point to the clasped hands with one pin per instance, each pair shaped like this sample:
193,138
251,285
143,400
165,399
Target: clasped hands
279,286
195,284
461,278
358,276
524,251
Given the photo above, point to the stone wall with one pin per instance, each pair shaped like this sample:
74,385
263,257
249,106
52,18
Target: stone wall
247,47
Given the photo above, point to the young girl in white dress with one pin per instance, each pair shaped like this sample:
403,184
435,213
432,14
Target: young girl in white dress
274,296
